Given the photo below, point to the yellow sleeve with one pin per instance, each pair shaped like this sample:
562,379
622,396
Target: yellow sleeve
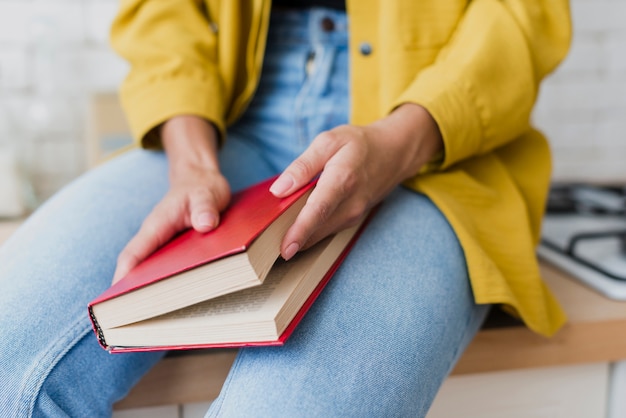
484,82
172,50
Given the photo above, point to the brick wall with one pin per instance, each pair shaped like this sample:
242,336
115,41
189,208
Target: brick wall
54,53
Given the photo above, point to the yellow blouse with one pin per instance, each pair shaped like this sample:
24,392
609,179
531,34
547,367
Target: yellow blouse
475,65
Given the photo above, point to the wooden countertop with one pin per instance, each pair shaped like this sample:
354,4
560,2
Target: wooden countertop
595,332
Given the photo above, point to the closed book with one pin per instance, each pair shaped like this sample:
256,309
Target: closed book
196,266
224,288
264,315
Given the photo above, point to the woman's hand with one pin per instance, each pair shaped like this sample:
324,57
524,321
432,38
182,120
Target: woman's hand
359,166
197,194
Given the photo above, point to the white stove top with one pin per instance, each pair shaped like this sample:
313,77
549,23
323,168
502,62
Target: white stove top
588,240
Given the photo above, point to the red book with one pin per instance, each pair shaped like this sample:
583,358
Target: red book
219,288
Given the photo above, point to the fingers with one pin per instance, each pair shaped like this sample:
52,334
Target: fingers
332,206
155,231
314,213
308,165
196,207
205,207
341,195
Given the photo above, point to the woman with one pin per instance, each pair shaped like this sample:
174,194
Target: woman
433,94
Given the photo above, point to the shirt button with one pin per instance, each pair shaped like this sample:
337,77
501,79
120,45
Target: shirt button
365,48
327,24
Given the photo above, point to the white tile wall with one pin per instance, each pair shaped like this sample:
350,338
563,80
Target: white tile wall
54,53
582,106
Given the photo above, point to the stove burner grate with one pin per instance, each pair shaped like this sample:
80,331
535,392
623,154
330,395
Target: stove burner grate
584,233
587,199
576,239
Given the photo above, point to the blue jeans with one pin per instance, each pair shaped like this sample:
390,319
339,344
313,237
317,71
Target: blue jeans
378,342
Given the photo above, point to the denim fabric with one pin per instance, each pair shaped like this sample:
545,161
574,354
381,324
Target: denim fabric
378,342
61,258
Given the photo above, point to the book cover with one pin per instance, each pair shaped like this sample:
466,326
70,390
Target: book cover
250,212
286,333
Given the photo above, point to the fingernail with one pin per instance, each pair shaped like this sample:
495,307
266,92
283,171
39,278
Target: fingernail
282,185
291,250
206,221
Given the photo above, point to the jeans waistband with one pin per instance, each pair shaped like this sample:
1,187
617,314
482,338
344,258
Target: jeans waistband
312,26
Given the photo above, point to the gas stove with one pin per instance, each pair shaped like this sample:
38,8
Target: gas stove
584,234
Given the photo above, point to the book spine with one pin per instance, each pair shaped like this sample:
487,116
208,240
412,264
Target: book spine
97,328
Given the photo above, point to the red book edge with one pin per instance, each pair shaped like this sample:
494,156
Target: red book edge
147,272
283,337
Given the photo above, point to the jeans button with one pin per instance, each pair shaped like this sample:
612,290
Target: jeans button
365,48
327,24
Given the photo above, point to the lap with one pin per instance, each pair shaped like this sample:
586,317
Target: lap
399,306
381,337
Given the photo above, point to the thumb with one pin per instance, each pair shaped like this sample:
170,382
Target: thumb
155,231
